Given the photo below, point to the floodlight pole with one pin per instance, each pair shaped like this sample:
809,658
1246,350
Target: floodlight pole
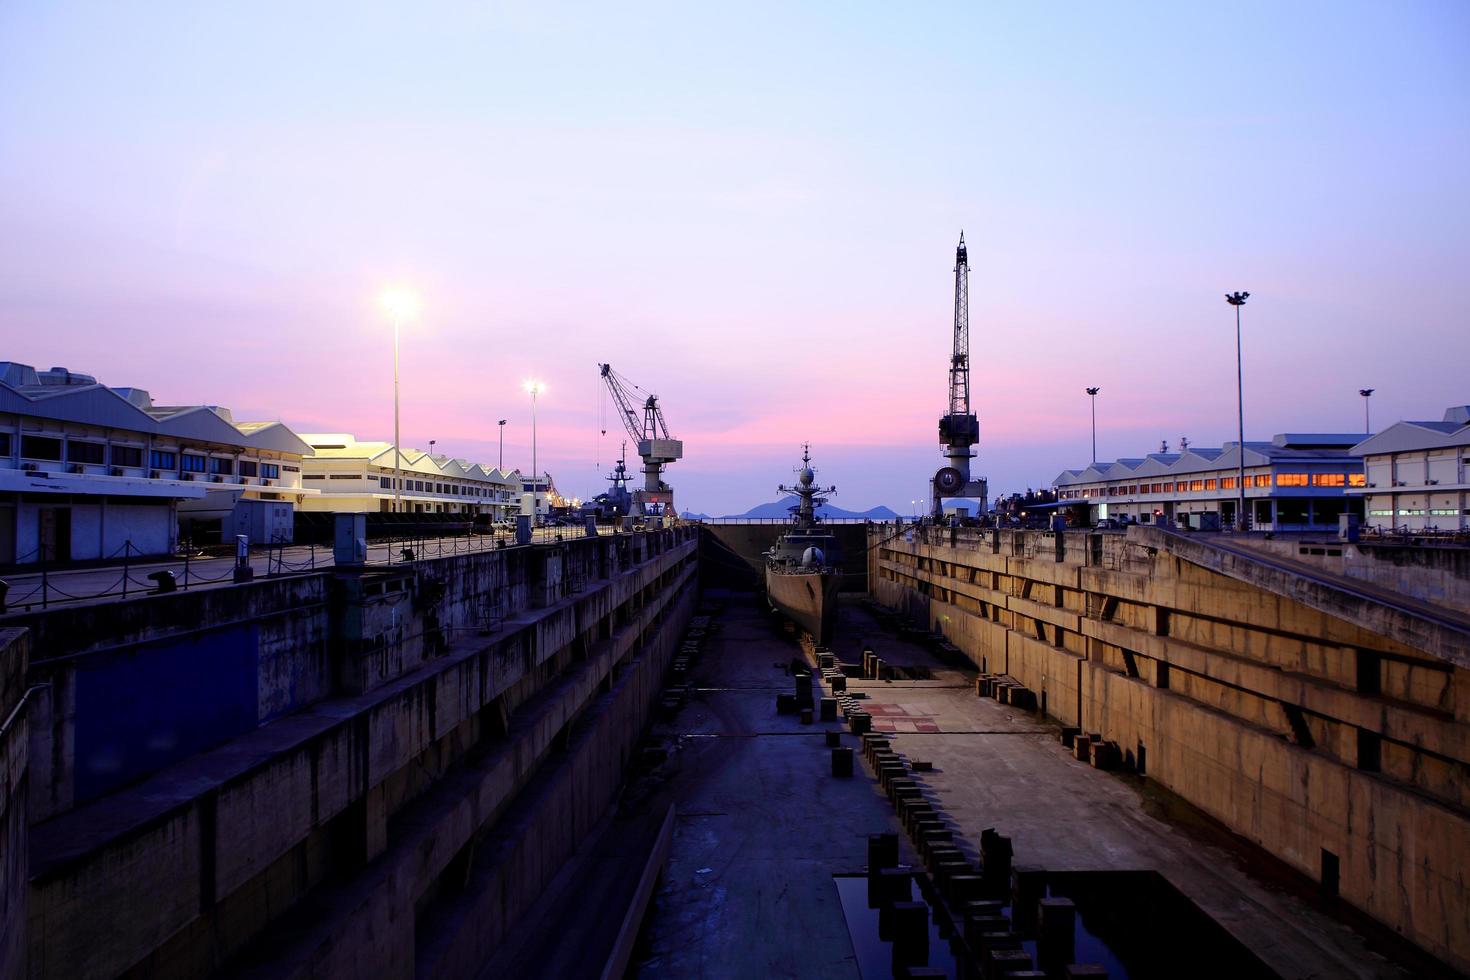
1237,300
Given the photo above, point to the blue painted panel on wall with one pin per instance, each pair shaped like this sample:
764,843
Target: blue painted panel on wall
148,707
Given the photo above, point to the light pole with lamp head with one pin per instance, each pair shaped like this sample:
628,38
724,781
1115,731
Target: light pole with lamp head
401,305
1093,393
534,388
502,445
1367,393
1237,300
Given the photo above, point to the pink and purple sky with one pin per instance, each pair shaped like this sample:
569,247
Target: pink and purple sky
752,210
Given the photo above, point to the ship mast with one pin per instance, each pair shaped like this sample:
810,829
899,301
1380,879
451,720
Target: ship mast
809,494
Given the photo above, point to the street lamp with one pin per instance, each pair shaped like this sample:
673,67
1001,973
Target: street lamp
401,305
1093,392
534,388
502,446
1237,300
1366,393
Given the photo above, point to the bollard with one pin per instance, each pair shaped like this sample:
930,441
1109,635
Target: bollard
995,857
828,708
1028,886
977,926
910,933
839,683
163,581
803,690
882,852
842,761
860,721
806,716
1055,932
1002,963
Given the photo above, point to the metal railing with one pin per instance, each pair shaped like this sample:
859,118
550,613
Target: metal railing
135,573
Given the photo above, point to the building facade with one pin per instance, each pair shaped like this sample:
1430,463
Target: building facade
89,472
1295,482
1418,475
357,476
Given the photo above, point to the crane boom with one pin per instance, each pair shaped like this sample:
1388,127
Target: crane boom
959,365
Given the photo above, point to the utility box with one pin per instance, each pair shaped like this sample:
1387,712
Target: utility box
349,539
265,521
1348,528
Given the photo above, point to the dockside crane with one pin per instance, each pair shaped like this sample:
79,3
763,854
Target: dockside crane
651,435
959,429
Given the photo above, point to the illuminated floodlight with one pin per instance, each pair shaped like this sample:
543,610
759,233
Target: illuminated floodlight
401,303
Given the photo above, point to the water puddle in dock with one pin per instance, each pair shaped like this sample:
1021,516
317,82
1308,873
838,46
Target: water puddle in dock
1134,924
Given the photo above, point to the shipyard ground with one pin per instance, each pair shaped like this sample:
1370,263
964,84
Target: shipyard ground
762,826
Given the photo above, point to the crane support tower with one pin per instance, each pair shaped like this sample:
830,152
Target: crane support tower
651,435
959,429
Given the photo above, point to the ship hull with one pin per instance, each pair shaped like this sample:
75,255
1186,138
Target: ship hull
808,598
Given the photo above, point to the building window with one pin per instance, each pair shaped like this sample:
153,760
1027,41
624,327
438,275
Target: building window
1291,479
272,471
1228,483
85,452
1260,480
1212,484
1329,479
40,447
344,476
127,456
385,482
1357,480
313,476
1380,513
1441,512
4,443
158,459
1196,485
1411,512
248,467
193,464
221,466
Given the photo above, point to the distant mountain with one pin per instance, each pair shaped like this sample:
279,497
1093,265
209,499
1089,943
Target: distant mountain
781,509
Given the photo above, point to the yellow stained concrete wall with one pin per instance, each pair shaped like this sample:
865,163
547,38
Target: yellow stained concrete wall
1237,657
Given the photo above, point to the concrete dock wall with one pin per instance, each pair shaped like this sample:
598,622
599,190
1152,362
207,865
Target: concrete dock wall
1320,740
14,856
413,708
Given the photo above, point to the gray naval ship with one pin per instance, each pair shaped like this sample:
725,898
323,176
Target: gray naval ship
801,569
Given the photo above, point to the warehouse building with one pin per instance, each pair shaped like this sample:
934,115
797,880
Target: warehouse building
1295,482
89,472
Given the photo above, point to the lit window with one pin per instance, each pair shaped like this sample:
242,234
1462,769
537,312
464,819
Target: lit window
1212,484
1329,479
1260,479
1291,480
1196,485
1357,480
1228,483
